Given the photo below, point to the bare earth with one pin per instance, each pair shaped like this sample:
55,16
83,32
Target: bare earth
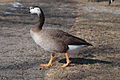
95,22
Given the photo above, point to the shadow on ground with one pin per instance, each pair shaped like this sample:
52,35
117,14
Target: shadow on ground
88,53
98,0
84,61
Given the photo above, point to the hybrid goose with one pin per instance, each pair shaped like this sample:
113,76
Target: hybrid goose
54,40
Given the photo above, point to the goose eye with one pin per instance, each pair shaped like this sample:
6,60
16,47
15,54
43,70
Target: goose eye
31,7
37,9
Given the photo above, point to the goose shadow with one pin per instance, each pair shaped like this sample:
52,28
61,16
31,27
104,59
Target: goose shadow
84,61
103,49
27,65
74,60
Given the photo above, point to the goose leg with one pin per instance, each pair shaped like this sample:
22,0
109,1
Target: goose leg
67,59
50,62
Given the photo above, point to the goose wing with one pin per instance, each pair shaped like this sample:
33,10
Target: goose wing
67,38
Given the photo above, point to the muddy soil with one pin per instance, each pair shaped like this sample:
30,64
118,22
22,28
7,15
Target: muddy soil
95,22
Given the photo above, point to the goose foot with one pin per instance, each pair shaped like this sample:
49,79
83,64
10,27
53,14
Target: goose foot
50,62
67,59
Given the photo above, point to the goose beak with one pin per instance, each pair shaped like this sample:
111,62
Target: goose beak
26,11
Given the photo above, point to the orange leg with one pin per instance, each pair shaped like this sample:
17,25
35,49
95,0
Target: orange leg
67,59
50,62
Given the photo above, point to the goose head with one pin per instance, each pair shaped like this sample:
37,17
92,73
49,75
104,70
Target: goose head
35,10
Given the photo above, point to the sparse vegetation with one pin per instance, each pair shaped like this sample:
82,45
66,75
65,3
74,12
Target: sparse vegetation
7,1
95,22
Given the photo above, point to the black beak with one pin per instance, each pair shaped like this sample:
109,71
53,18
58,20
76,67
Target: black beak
26,10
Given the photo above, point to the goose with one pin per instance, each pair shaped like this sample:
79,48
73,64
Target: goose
110,1
53,40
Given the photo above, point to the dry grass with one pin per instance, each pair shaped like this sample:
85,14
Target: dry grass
7,1
20,59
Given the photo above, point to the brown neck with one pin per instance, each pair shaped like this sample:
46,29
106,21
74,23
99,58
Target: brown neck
41,20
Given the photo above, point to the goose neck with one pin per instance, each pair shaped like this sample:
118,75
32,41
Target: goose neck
41,20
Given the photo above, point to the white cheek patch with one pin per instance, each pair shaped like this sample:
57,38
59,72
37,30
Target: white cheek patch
75,48
35,11
32,11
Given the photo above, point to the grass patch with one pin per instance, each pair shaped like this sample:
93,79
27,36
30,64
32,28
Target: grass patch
7,1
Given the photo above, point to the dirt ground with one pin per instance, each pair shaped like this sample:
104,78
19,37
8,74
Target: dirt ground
95,22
